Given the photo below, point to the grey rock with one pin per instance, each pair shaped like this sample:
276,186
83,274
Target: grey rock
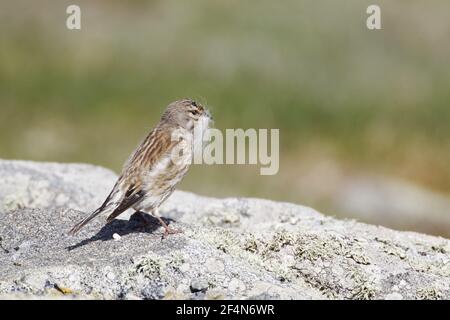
152,292
373,198
27,184
241,248
379,199
199,285
264,296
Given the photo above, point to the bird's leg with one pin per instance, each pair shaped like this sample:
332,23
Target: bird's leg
167,230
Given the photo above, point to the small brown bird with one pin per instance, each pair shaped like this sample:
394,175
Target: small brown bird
157,165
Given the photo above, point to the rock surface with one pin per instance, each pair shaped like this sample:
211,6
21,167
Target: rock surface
377,199
231,248
372,198
26,184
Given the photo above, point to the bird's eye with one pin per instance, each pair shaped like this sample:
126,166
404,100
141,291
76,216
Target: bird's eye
194,111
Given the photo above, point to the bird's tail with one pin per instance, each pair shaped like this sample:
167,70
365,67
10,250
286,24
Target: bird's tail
85,221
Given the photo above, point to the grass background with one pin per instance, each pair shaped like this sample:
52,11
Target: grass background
341,95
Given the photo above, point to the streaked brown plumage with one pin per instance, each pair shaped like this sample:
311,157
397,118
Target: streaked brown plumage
150,174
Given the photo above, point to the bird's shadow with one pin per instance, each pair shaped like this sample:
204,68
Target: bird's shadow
136,224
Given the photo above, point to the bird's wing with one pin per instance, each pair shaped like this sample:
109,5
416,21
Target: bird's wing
130,198
155,146
128,189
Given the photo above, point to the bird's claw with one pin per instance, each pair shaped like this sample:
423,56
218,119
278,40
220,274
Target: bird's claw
168,231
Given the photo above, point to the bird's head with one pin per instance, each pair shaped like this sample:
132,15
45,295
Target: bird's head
187,114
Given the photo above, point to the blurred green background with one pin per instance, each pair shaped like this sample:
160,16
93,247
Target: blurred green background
348,101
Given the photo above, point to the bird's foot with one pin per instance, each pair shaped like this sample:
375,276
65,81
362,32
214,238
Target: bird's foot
168,230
